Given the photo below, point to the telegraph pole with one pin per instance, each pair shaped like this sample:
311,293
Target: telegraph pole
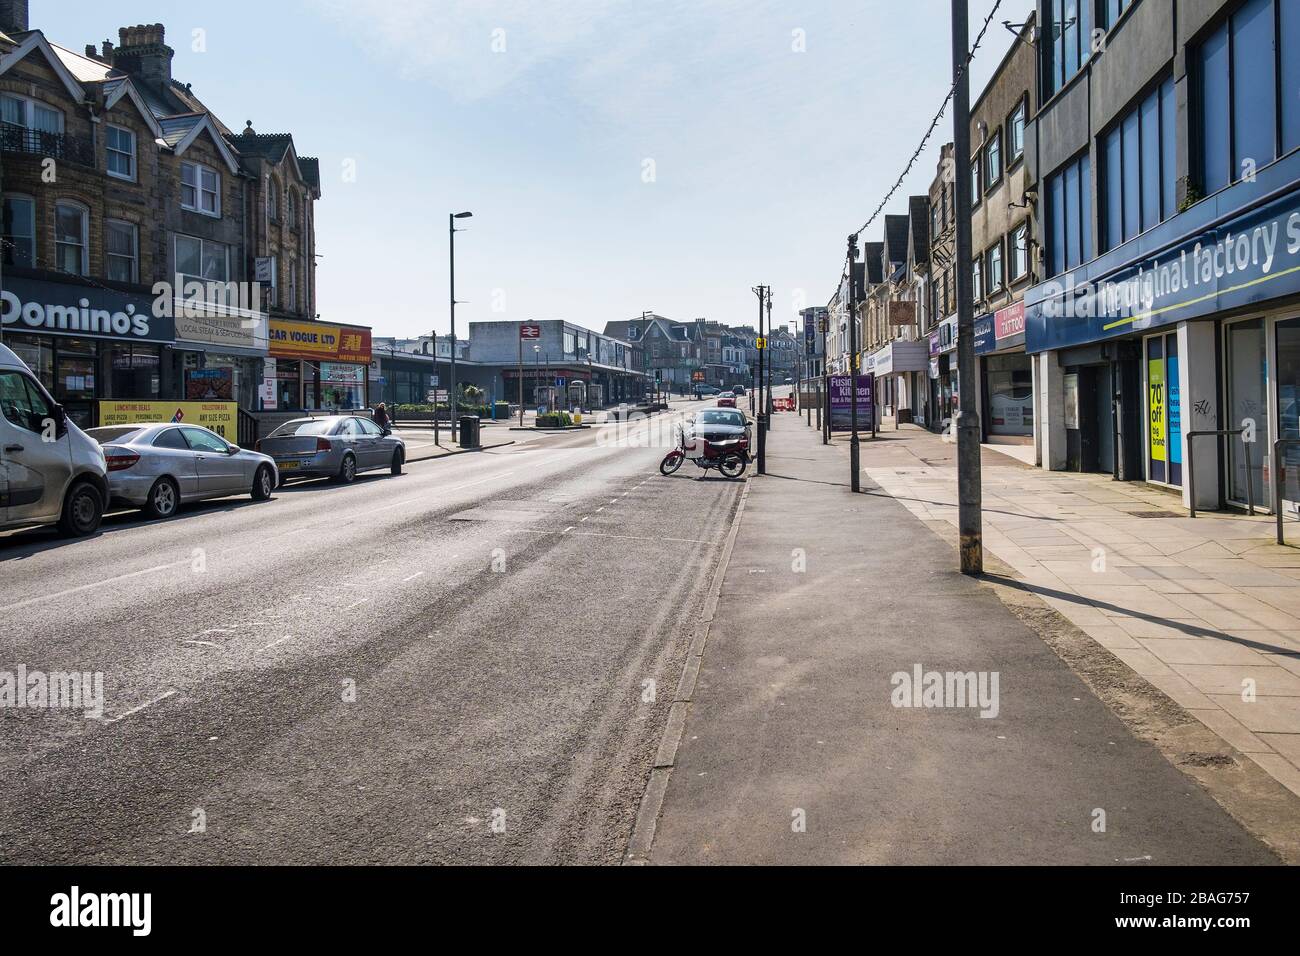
767,356
855,481
761,291
968,422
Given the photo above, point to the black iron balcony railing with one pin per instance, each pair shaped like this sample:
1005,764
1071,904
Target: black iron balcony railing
20,139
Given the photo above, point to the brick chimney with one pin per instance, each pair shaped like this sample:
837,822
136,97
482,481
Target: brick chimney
13,16
142,53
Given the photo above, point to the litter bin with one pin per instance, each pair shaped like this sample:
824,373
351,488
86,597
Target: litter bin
469,426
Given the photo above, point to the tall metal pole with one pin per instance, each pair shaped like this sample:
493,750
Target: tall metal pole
968,422
437,440
855,480
823,398
761,427
521,378
767,353
451,393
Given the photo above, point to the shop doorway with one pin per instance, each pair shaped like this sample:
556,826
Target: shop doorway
1288,410
1089,419
1245,356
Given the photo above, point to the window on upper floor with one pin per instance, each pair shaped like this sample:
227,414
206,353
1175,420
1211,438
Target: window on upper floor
200,189
25,111
1137,174
1067,42
293,286
121,251
72,238
976,190
993,258
291,208
1248,71
1111,10
1069,216
977,279
202,259
119,146
19,247
272,199
1016,133
993,160
1019,253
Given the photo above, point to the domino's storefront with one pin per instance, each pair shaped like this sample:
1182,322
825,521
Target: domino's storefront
1192,326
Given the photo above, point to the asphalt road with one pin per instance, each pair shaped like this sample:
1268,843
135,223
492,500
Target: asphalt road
452,665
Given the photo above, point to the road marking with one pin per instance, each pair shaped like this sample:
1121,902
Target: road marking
203,643
601,534
357,604
585,517
287,637
567,530
412,577
86,587
136,710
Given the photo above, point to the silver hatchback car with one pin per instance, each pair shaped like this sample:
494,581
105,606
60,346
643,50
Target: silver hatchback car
159,467
336,446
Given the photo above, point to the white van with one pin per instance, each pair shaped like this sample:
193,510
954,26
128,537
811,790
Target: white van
51,472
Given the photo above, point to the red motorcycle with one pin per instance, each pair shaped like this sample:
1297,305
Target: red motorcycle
729,454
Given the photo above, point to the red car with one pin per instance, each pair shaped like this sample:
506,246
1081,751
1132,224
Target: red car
727,401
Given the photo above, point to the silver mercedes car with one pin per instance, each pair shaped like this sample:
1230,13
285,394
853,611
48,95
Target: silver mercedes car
159,467
335,446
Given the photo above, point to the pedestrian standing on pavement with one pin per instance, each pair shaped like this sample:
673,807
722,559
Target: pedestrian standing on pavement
381,416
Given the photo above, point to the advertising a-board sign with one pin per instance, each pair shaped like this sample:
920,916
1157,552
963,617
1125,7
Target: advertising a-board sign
841,397
220,417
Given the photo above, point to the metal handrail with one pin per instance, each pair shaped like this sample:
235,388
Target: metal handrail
1191,468
1279,482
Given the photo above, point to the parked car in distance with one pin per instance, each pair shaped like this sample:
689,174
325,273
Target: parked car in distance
51,472
704,391
739,391
159,466
337,446
727,401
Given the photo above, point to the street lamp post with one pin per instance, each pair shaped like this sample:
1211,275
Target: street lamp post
855,480
537,373
451,255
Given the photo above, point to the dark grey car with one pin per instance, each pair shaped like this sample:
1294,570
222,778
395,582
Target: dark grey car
337,446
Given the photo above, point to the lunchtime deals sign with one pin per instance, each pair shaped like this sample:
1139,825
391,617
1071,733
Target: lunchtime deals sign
220,417
841,397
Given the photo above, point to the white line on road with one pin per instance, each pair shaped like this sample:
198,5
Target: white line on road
357,604
136,710
412,577
203,644
287,637
94,584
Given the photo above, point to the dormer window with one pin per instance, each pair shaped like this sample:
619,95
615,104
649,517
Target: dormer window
200,189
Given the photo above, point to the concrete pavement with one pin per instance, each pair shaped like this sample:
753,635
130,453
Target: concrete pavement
793,748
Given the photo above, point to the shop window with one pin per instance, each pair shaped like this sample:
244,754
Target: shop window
1069,40
1247,72
135,371
1164,411
1069,214
120,147
200,189
1010,382
72,238
1138,168
121,250
19,231
1288,409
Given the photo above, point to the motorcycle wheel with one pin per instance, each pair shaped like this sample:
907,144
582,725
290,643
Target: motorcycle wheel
733,467
672,461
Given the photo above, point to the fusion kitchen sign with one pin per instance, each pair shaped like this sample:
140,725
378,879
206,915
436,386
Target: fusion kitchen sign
31,305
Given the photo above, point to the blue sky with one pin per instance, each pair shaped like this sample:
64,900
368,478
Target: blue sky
540,116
